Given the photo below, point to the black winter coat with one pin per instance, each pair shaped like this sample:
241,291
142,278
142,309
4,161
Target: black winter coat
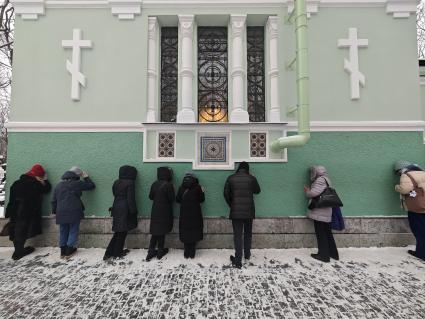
162,194
24,207
191,223
239,193
66,201
124,208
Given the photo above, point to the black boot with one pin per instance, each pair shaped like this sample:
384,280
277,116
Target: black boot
235,263
70,251
63,251
162,252
26,251
151,254
318,257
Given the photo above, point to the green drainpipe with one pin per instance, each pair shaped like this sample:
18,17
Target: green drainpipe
303,112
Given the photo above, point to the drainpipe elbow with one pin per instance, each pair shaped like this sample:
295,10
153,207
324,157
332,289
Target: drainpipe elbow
290,141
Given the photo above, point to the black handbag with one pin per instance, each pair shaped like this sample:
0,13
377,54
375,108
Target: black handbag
328,198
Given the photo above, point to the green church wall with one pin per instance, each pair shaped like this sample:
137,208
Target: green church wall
116,65
359,163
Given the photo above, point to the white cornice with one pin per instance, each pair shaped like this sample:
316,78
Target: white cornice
316,126
363,126
74,127
127,9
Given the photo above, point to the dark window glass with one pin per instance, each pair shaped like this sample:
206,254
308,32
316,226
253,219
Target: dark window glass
169,73
255,74
212,74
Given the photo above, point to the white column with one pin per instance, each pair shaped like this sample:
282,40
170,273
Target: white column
186,114
239,113
273,72
152,103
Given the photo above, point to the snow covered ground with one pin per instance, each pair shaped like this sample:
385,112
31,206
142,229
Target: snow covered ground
365,283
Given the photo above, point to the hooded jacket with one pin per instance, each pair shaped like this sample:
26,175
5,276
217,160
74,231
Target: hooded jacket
24,207
124,209
66,202
190,196
239,191
320,181
162,194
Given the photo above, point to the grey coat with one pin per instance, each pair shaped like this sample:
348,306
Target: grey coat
319,177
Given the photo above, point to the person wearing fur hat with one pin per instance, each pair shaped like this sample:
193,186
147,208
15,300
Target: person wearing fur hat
24,208
239,191
69,209
123,211
412,193
191,224
163,196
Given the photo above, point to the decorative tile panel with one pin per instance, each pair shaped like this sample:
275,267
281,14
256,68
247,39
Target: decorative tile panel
213,149
166,144
258,144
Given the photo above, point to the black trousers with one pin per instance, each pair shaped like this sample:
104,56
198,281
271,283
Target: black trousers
116,245
157,240
242,228
325,240
190,249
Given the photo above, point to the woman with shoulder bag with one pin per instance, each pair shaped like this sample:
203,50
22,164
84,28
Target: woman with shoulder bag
322,216
412,192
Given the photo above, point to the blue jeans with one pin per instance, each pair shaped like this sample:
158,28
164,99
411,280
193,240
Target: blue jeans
417,225
69,234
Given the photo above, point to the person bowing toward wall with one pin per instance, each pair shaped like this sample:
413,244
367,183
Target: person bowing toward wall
191,223
69,208
123,211
162,194
412,192
24,208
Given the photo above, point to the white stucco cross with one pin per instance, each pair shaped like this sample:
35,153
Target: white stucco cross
352,66
74,67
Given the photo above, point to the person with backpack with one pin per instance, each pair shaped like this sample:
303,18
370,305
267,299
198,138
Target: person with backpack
69,209
123,211
412,194
191,225
24,208
239,191
322,217
162,194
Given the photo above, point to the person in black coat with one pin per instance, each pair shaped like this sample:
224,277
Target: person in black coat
69,209
238,193
24,208
162,194
191,224
123,211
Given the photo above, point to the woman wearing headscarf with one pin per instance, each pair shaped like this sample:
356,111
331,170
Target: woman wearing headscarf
412,176
191,225
322,217
123,211
24,208
162,194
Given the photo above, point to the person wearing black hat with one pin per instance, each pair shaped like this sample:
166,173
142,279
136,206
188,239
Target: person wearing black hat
239,191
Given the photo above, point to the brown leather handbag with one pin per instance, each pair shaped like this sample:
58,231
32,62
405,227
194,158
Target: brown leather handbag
415,200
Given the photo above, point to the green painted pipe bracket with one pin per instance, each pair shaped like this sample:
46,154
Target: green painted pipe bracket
290,65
